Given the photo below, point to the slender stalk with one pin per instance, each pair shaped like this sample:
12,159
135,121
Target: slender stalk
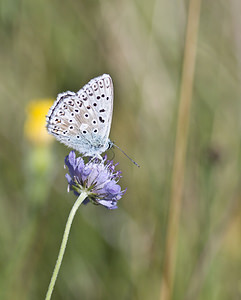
180,149
76,205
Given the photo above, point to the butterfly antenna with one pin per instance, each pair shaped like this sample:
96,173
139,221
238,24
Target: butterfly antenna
126,155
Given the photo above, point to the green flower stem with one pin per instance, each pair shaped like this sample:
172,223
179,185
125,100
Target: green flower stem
79,200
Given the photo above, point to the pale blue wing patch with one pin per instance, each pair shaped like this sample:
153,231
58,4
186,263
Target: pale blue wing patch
82,120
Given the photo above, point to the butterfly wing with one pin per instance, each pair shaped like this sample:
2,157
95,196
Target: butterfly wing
82,120
100,94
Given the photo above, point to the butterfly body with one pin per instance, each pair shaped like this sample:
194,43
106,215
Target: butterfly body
82,120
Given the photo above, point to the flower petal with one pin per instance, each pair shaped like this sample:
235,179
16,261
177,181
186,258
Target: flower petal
108,204
112,187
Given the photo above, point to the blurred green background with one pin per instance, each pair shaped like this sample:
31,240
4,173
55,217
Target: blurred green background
48,47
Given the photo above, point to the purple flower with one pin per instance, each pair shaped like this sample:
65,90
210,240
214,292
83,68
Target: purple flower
97,178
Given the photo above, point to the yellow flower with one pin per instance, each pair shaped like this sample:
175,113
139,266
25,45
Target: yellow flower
35,124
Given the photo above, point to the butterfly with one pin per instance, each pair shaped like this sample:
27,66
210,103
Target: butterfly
82,120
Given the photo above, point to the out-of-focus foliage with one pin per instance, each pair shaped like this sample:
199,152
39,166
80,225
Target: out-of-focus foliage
48,47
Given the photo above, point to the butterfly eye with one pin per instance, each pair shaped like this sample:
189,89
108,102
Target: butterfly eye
94,122
71,127
98,97
86,116
95,104
95,130
84,131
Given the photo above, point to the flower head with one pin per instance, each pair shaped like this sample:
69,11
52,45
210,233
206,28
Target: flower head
97,178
